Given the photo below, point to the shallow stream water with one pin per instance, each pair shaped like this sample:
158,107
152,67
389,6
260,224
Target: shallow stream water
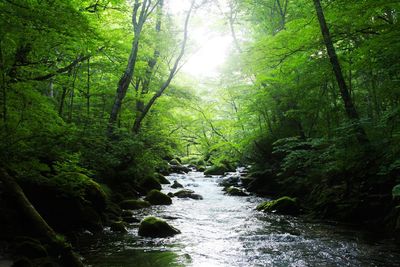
226,231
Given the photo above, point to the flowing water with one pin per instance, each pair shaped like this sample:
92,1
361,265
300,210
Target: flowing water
223,230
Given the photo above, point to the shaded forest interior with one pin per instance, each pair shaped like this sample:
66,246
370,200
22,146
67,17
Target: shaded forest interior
96,107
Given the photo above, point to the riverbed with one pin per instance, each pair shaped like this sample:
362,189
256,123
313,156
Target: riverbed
222,231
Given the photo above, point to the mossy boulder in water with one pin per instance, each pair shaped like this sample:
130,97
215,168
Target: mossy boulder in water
156,227
176,184
155,197
118,227
216,170
161,178
187,193
283,205
235,191
148,184
134,204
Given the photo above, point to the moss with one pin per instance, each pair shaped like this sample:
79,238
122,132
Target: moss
235,191
187,193
175,162
134,204
201,168
156,227
216,170
155,197
148,184
283,205
161,178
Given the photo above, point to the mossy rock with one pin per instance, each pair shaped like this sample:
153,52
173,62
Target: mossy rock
31,249
235,191
175,162
283,205
149,183
176,184
134,204
118,227
161,178
156,197
201,168
216,170
187,193
156,227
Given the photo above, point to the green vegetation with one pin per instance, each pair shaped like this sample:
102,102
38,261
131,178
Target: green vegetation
93,112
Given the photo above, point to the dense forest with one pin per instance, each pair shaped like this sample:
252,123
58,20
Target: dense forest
96,109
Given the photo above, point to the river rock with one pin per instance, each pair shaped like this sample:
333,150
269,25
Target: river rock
156,227
235,191
161,178
134,204
179,169
118,227
148,184
176,184
187,193
216,170
230,181
283,205
155,197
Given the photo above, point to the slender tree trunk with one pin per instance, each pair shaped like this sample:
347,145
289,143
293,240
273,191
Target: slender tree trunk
3,84
350,109
126,78
150,65
72,96
61,106
88,90
35,220
173,72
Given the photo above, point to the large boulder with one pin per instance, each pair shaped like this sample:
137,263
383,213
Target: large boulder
283,205
216,170
187,193
156,227
161,178
179,169
134,204
118,227
230,181
236,191
176,184
155,197
148,184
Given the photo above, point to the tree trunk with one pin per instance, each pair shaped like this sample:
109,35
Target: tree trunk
37,223
126,78
61,106
350,109
173,72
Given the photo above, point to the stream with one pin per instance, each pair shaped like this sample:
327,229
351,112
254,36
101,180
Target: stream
223,230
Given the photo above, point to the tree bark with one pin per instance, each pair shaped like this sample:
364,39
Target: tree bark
350,109
126,78
37,223
173,72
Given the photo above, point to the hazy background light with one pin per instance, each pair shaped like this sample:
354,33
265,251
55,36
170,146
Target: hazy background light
209,39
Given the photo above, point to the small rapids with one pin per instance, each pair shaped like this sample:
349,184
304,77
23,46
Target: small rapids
223,230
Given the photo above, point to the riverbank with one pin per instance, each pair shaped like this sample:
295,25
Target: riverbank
223,230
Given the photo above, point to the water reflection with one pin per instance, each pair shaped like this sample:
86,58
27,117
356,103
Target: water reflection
222,230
